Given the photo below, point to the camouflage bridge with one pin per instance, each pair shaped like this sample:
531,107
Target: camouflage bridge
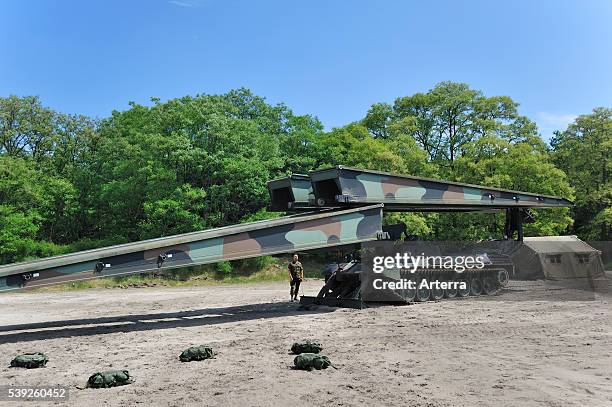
332,207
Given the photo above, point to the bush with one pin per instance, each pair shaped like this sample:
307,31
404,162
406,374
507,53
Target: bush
249,266
223,269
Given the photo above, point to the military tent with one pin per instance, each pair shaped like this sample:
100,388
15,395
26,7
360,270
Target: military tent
556,258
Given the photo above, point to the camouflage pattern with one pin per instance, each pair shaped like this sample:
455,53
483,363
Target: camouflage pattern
290,193
283,235
344,185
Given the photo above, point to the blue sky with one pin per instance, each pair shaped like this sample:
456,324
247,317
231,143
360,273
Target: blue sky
329,58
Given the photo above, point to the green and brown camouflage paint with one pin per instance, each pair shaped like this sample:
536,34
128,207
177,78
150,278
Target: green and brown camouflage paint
290,193
283,235
345,186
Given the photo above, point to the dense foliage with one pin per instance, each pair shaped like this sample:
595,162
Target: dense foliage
68,182
583,151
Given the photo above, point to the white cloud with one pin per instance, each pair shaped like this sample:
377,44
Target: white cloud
550,122
554,119
185,3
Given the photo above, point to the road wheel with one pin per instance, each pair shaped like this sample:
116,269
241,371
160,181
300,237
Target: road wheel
475,287
437,293
452,291
409,294
423,294
503,277
463,292
488,286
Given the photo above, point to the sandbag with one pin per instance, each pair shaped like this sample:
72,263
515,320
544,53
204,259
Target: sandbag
309,361
109,378
30,360
306,347
201,352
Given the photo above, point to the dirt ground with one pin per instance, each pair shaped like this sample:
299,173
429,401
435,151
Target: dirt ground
509,350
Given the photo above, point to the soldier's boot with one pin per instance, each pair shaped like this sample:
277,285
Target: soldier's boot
291,294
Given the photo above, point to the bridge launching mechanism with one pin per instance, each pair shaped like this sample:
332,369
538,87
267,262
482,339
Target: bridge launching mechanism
334,207
346,187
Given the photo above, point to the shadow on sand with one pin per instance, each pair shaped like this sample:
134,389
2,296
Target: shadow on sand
144,322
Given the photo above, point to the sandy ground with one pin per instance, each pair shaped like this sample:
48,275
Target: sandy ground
514,349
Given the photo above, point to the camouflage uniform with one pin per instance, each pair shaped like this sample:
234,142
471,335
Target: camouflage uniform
295,270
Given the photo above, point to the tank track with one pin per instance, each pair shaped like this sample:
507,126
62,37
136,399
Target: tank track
343,287
470,283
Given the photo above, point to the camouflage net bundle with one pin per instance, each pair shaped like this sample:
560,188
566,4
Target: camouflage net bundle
309,361
201,352
109,378
306,347
30,360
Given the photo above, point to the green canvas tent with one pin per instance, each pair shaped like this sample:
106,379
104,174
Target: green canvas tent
557,258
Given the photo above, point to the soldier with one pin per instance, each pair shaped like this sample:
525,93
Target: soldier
296,274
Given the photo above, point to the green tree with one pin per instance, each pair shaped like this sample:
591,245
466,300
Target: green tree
36,209
222,148
69,182
448,117
26,127
298,143
519,166
378,119
583,151
454,132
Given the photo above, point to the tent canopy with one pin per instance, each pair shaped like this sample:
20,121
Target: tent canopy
556,257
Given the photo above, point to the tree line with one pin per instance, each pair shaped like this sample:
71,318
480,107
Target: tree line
70,182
